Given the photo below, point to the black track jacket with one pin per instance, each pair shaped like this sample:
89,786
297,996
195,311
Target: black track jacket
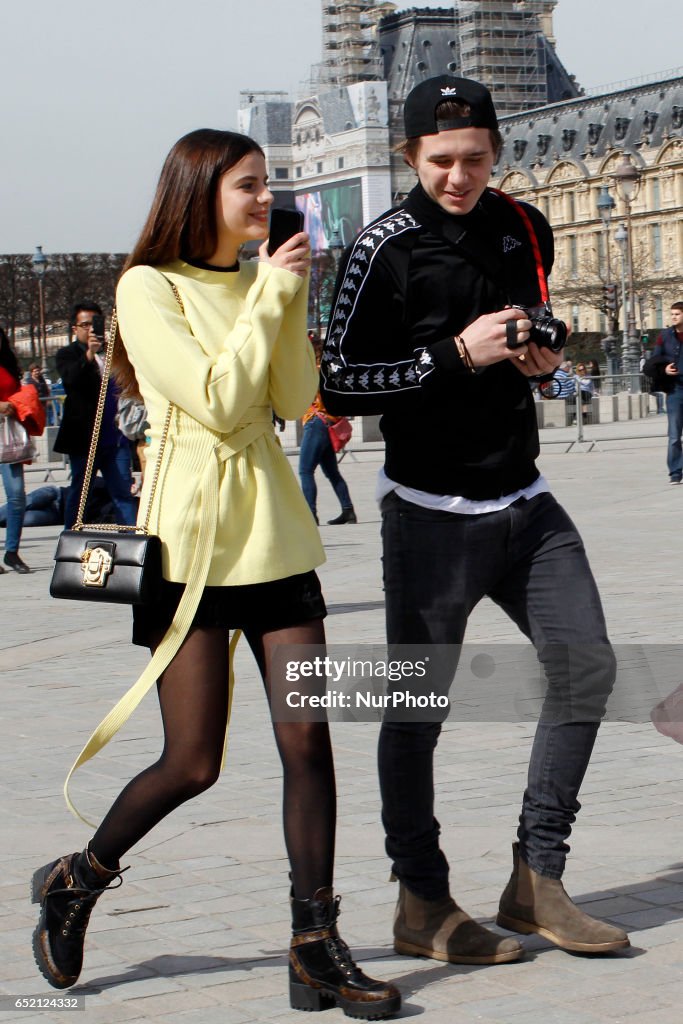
412,280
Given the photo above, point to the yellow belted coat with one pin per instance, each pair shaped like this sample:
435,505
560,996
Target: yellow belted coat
227,506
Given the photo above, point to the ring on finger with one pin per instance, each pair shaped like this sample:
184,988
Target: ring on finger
511,335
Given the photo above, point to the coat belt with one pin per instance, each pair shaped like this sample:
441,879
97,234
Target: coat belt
256,422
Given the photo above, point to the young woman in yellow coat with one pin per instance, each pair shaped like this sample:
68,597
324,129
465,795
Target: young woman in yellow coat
224,342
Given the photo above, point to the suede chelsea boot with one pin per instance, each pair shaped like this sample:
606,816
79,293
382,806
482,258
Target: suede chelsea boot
535,903
347,515
322,972
441,930
67,890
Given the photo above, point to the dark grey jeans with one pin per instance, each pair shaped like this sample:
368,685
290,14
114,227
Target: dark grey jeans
530,560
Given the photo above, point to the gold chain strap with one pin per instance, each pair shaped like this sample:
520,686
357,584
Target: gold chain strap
79,525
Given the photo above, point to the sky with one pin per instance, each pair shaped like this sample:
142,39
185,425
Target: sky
97,93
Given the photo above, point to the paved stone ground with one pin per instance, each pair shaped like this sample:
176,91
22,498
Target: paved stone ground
199,931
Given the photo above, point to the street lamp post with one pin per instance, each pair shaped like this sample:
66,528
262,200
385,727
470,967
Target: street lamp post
336,247
39,264
627,179
606,204
621,238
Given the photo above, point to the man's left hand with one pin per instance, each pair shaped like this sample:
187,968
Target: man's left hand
536,362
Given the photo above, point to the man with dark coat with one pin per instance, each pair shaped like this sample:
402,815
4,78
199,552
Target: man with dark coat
80,368
669,352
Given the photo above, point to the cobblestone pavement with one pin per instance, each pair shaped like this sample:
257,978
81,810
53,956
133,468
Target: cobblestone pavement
199,930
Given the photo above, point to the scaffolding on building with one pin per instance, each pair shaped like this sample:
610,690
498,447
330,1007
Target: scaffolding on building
350,49
500,45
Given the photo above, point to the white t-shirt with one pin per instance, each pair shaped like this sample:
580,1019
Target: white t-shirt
455,503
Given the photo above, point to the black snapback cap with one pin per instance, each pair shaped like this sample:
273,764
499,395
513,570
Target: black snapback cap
419,113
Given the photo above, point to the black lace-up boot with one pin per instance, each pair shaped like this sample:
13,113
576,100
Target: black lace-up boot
321,969
67,890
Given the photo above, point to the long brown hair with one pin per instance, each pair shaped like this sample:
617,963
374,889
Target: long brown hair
182,220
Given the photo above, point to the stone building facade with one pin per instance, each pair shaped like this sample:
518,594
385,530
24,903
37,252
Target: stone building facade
331,151
559,156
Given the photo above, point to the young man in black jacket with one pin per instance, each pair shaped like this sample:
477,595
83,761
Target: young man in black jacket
79,366
669,347
431,327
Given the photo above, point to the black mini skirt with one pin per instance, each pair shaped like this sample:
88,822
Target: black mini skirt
262,607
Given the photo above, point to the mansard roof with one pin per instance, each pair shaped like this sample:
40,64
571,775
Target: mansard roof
416,44
271,122
336,109
642,116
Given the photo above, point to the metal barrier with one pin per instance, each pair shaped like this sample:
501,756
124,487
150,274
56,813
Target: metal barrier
603,399
54,407
614,384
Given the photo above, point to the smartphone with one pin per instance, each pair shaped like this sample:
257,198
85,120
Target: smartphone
98,325
283,224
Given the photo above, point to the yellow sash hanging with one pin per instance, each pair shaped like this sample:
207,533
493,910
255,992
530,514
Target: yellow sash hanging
259,422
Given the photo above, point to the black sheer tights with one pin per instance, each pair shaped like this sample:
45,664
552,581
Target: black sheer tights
193,694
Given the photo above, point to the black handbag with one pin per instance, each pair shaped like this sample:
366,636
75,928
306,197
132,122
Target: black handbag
116,567
105,562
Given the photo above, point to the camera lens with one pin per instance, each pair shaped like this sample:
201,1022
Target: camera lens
548,332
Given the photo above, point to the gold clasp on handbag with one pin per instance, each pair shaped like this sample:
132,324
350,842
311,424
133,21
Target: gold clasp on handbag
96,564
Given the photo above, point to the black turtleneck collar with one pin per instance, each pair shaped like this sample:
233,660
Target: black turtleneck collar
200,265
451,226
476,234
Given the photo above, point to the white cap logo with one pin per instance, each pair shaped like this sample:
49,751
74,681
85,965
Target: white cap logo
449,91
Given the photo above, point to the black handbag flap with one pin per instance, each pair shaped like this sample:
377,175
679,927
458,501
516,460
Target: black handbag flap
125,548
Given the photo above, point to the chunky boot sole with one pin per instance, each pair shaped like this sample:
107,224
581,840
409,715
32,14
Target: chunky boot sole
303,997
45,964
513,924
41,948
409,949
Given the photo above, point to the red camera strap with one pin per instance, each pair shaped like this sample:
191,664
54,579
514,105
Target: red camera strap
533,238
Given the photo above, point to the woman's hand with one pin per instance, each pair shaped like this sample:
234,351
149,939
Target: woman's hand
6,409
293,255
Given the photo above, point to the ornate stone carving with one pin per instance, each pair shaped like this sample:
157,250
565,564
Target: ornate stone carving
621,127
568,137
519,148
650,120
516,182
543,144
594,133
563,172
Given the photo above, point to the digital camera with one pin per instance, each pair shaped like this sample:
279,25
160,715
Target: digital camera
546,330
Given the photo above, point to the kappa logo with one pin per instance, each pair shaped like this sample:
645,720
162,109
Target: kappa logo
449,90
510,243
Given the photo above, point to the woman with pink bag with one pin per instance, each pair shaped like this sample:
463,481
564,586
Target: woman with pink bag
16,404
317,450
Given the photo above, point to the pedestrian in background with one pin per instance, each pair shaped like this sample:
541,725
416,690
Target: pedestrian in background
593,368
12,473
80,367
668,347
316,450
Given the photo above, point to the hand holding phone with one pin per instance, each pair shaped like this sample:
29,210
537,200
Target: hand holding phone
288,246
283,225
